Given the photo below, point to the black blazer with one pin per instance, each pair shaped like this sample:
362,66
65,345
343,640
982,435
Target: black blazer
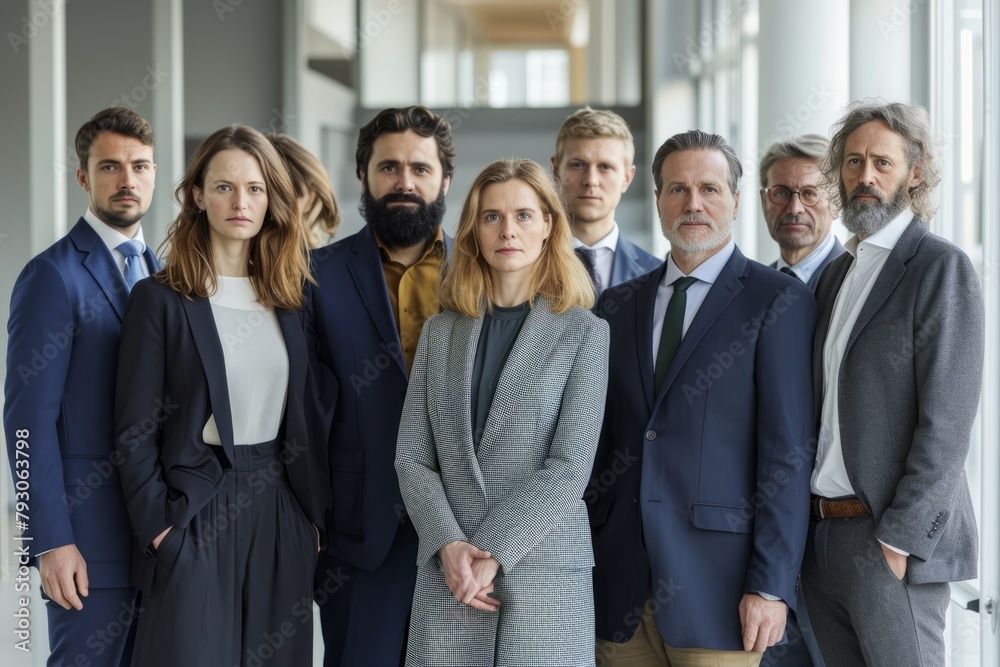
171,379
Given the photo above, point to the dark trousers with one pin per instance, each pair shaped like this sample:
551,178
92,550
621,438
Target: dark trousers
861,613
365,615
101,634
234,588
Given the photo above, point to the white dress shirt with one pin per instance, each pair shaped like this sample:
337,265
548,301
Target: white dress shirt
707,273
829,478
806,267
256,364
604,254
113,238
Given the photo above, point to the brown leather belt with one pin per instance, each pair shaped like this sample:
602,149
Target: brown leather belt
845,508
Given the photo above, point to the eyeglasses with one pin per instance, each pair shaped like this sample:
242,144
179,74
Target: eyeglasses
779,195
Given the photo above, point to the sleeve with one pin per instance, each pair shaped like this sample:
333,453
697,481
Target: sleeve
947,351
515,526
140,413
40,335
786,443
417,464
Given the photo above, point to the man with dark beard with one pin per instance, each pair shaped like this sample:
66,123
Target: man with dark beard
62,356
897,364
374,291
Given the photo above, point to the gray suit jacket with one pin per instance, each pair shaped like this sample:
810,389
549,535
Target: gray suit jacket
520,497
909,390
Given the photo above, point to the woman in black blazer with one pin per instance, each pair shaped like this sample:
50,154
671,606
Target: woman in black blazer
217,413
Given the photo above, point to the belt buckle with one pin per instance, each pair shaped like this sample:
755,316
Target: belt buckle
818,504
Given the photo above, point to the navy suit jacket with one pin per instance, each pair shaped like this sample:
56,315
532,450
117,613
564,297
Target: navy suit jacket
836,251
62,354
352,332
171,379
630,262
703,488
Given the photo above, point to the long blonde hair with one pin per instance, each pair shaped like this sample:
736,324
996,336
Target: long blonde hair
310,179
557,275
278,266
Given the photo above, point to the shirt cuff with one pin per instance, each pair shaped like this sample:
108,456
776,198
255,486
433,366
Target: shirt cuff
892,548
768,596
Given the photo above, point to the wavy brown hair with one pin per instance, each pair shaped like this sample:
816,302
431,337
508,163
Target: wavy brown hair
278,266
558,275
309,178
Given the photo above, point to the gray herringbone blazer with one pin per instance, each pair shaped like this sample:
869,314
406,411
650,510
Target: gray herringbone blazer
520,498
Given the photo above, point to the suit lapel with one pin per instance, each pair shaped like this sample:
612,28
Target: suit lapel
623,265
723,291
295,344
888,277
826,297
645,304
461,357
206,341
836,251
369,279
101,265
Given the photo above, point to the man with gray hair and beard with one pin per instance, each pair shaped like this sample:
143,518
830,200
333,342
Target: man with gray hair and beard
897,364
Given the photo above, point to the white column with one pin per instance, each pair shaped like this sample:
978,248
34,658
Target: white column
880,49
802,88
49,161
168,116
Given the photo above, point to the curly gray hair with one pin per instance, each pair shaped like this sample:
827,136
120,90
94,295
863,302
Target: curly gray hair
911,123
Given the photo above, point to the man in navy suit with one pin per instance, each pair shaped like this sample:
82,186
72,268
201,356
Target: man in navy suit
699,497
795,197
593,168
62,352
374,291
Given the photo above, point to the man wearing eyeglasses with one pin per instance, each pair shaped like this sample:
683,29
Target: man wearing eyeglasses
797,207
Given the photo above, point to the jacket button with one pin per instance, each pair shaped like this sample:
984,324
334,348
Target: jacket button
650,435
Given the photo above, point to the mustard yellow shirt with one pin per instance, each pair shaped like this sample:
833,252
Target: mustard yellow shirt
412,292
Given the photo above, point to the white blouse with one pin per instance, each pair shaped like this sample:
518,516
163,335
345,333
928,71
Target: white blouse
256,363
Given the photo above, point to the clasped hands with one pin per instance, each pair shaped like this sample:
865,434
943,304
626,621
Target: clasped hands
469,574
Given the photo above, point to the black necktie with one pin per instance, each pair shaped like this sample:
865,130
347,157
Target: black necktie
788,271
673,325
589,260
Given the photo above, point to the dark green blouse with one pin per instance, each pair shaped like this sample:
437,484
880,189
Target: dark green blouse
500,329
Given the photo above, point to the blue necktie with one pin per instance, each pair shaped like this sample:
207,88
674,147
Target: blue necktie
132,250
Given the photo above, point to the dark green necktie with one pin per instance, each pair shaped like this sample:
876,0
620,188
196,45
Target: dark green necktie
673,325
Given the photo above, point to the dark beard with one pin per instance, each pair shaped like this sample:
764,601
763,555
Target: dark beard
866,219
402,226
120,220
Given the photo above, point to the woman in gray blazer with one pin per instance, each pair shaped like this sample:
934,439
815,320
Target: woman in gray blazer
498,435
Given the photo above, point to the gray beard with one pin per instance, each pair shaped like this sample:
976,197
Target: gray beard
866,219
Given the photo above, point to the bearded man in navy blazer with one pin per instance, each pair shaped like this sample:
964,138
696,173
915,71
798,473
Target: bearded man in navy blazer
363,318
62,354
699,496
593,167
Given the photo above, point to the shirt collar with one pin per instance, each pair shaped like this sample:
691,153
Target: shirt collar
111,236
708,271
610,240
807,265
436,244
885,238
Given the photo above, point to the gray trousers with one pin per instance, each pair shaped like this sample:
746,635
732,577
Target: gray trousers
861,613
